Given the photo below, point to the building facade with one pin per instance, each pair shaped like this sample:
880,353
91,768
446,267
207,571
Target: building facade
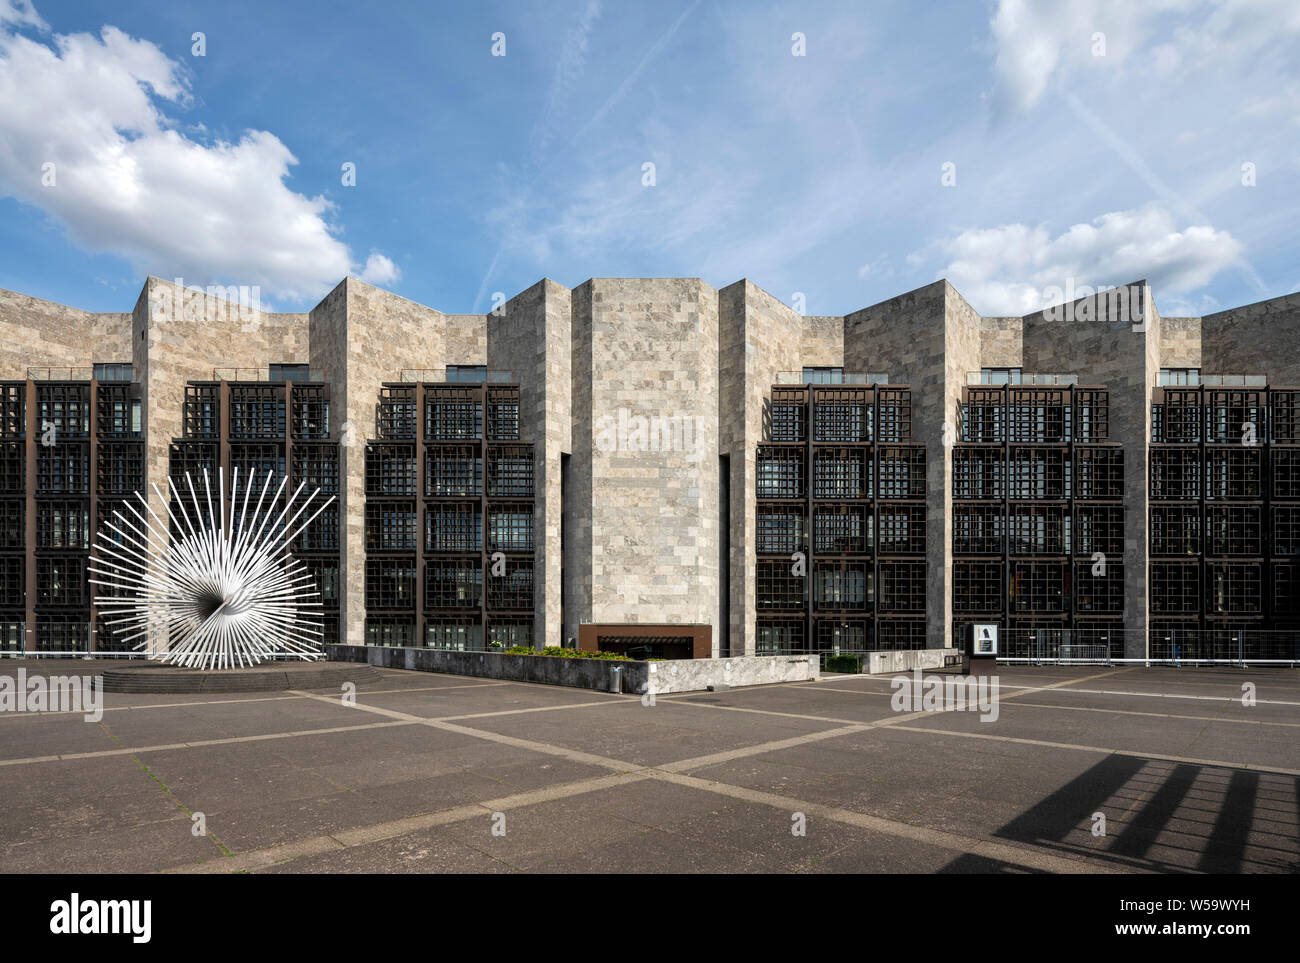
661,466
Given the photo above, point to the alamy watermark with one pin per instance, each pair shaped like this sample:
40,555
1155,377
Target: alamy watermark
36,692
630,431
1084,303
216,304
945,693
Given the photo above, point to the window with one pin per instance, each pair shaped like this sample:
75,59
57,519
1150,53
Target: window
977,529
63,469
63,524
503,414
841,529
1098,473
453,584
452,418
780,473
461,634
842,586
390,470
65,408
778,587
256,412
325,575
311,412
391,630
1099,589
1235,588
255,463
510,528
202,411
1179,376
902,586
513,589
977,587
841,473
61,581
390,526
455,470
510,472
788,413
390,584
836,420
1039,587
779,636
121,467
114,371
504,633
902,529
780,530
318,466
902,473
823,376
999,376
289,372
466,373
119,414
13,530
395,415
322,533
453,527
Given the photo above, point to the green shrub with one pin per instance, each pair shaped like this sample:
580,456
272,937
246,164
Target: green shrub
842,663
556,652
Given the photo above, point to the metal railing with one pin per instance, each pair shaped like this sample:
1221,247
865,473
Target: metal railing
442,376
264,374
847,378
19,641
1026,380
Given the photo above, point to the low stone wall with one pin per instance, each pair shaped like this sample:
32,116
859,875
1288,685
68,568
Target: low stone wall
604,675
691,675
601,674
905,660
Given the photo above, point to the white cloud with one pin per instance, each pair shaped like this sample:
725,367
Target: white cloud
1037,41
380,270
21,12
1006,270
128,183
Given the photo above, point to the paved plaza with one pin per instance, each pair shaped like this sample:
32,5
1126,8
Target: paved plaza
439,774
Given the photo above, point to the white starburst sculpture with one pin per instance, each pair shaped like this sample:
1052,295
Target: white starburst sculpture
224,591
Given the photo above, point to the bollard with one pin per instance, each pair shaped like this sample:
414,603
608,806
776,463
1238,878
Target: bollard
616,687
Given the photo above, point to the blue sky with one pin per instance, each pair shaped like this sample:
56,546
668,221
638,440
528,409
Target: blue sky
1090,142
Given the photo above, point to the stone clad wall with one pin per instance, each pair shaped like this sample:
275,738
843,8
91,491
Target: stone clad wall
1255,339
39,334
531,339
759,337
653,385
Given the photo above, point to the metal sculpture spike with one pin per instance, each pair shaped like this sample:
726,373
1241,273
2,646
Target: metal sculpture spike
221,590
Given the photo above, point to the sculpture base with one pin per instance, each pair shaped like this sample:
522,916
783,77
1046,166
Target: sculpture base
267,677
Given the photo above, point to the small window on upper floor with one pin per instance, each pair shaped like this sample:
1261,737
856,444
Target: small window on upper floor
823,376
999,376
114,371
466,373
289,372
1179,376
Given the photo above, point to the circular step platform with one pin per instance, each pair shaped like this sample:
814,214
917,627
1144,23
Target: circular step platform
274,677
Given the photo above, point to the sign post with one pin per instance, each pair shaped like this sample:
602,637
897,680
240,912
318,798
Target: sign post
983,649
